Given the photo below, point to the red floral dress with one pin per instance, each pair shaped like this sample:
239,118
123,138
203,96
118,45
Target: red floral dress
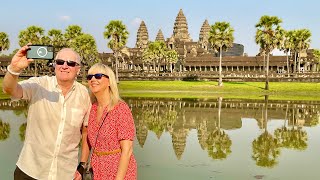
118,125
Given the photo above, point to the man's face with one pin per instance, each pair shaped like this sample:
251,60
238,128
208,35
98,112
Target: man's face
67,66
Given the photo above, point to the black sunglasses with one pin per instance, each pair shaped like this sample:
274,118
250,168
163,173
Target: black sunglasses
69,63
97,76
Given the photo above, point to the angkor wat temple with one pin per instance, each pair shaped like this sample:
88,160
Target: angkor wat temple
197,59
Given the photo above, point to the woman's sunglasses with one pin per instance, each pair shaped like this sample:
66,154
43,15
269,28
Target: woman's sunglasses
97,76
69,63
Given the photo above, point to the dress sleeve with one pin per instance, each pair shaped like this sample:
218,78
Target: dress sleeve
125,123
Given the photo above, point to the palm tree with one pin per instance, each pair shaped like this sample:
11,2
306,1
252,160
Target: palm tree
269,36
71,33
4,41
221,38
288,46
117,34
35,35
57,39
303,42
86,46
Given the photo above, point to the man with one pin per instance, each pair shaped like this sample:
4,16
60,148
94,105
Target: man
58,108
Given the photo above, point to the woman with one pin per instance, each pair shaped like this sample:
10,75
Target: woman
111,129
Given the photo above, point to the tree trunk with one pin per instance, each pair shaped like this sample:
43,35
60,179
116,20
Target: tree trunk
295,62
288,69
220,68
264,61
117,75
35,68
299,61
84,74
267,73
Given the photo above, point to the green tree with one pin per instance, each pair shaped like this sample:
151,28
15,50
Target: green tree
156,52
303,40
269,36
86,46
57,39
117,34
171,58
71,33
288,46
148,57
4,42
221,38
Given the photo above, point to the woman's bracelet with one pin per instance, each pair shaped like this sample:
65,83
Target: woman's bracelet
12,72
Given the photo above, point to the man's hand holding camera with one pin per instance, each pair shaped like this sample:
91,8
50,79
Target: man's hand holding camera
19,61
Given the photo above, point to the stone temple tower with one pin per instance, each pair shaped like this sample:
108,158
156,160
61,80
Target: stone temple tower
180,29
204,35
160,36
142,36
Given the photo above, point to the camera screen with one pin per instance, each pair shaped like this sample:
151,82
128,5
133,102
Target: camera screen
40,52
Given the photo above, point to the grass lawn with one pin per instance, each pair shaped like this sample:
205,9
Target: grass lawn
209,89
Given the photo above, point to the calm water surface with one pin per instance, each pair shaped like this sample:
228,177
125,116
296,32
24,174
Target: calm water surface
205,139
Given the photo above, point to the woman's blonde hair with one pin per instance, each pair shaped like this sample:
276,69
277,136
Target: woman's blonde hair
113,88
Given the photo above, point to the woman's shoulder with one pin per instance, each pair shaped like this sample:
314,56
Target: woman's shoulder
122,105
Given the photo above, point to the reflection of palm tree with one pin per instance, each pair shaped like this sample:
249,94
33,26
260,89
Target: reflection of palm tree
292,138
4,130
265,148
22,130
219,143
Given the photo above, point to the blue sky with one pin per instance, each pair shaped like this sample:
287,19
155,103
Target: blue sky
93,15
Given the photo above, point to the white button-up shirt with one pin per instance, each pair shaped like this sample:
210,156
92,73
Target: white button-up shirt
53,134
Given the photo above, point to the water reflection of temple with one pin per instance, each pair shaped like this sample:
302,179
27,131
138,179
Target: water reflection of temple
154,116
177,117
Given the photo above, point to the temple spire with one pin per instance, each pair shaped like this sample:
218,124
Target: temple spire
204,35
160,36
142,36
180,29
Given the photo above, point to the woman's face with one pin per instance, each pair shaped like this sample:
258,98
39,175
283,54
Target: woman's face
98,82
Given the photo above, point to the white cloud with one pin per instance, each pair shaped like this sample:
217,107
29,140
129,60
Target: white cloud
65,18
136,21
